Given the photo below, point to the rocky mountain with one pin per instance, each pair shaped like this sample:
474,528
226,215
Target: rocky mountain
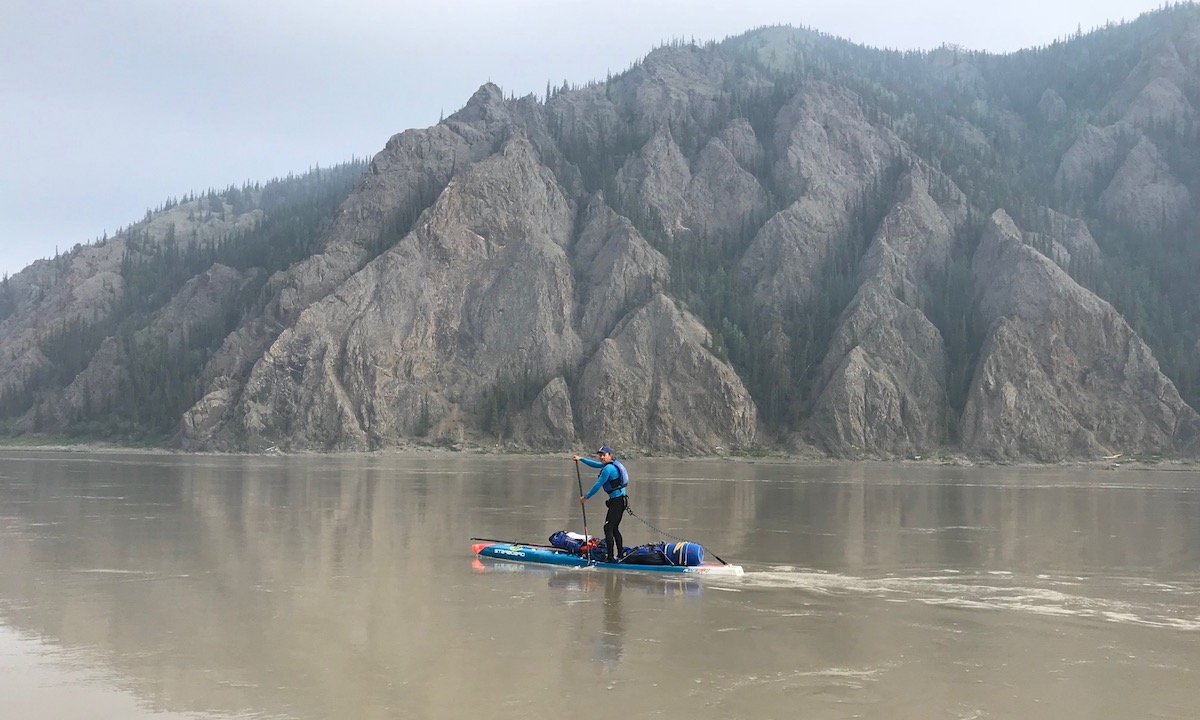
779,241
1061,374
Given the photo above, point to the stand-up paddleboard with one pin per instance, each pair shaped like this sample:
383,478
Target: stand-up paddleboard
550,555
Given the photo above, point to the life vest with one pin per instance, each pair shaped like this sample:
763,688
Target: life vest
622,479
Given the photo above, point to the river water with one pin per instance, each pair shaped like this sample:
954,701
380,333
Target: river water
137,586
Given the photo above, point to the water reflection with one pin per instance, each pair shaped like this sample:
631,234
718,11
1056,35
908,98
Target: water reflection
612,639
607,642
318,587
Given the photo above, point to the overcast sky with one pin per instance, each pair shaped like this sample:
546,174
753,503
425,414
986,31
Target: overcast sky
108,108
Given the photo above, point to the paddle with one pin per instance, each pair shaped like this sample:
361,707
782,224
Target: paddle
582,506
514,542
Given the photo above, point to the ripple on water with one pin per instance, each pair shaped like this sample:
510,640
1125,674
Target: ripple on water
1152,607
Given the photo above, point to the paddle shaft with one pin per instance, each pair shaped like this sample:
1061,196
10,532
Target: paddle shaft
582,506
514,542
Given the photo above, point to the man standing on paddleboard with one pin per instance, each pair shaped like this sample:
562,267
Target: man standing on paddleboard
614,478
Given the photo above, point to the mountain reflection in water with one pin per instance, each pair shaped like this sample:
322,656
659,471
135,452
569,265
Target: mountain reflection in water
164,586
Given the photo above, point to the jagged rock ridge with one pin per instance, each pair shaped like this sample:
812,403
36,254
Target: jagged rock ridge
753,244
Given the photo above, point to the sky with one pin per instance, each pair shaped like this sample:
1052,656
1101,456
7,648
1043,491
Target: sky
109,108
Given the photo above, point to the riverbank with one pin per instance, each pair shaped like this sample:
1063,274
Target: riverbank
1116,462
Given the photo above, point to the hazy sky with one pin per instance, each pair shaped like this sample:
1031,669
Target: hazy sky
109,108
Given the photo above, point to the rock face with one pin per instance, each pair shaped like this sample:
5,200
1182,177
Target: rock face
87,285
883,380
98,384
548,424
85,288
723,200
1052,107
652,182
1066,240
655,384
618,270
1137,189
1061,373
1144,195
828,157
671,85
479,293
402,180
1088,166
501,283
200,306
1156,92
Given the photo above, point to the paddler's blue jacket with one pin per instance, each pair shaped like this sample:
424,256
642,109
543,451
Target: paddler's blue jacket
612,475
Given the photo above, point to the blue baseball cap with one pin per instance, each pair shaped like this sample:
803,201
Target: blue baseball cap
604,450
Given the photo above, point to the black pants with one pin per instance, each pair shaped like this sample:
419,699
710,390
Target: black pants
612,526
